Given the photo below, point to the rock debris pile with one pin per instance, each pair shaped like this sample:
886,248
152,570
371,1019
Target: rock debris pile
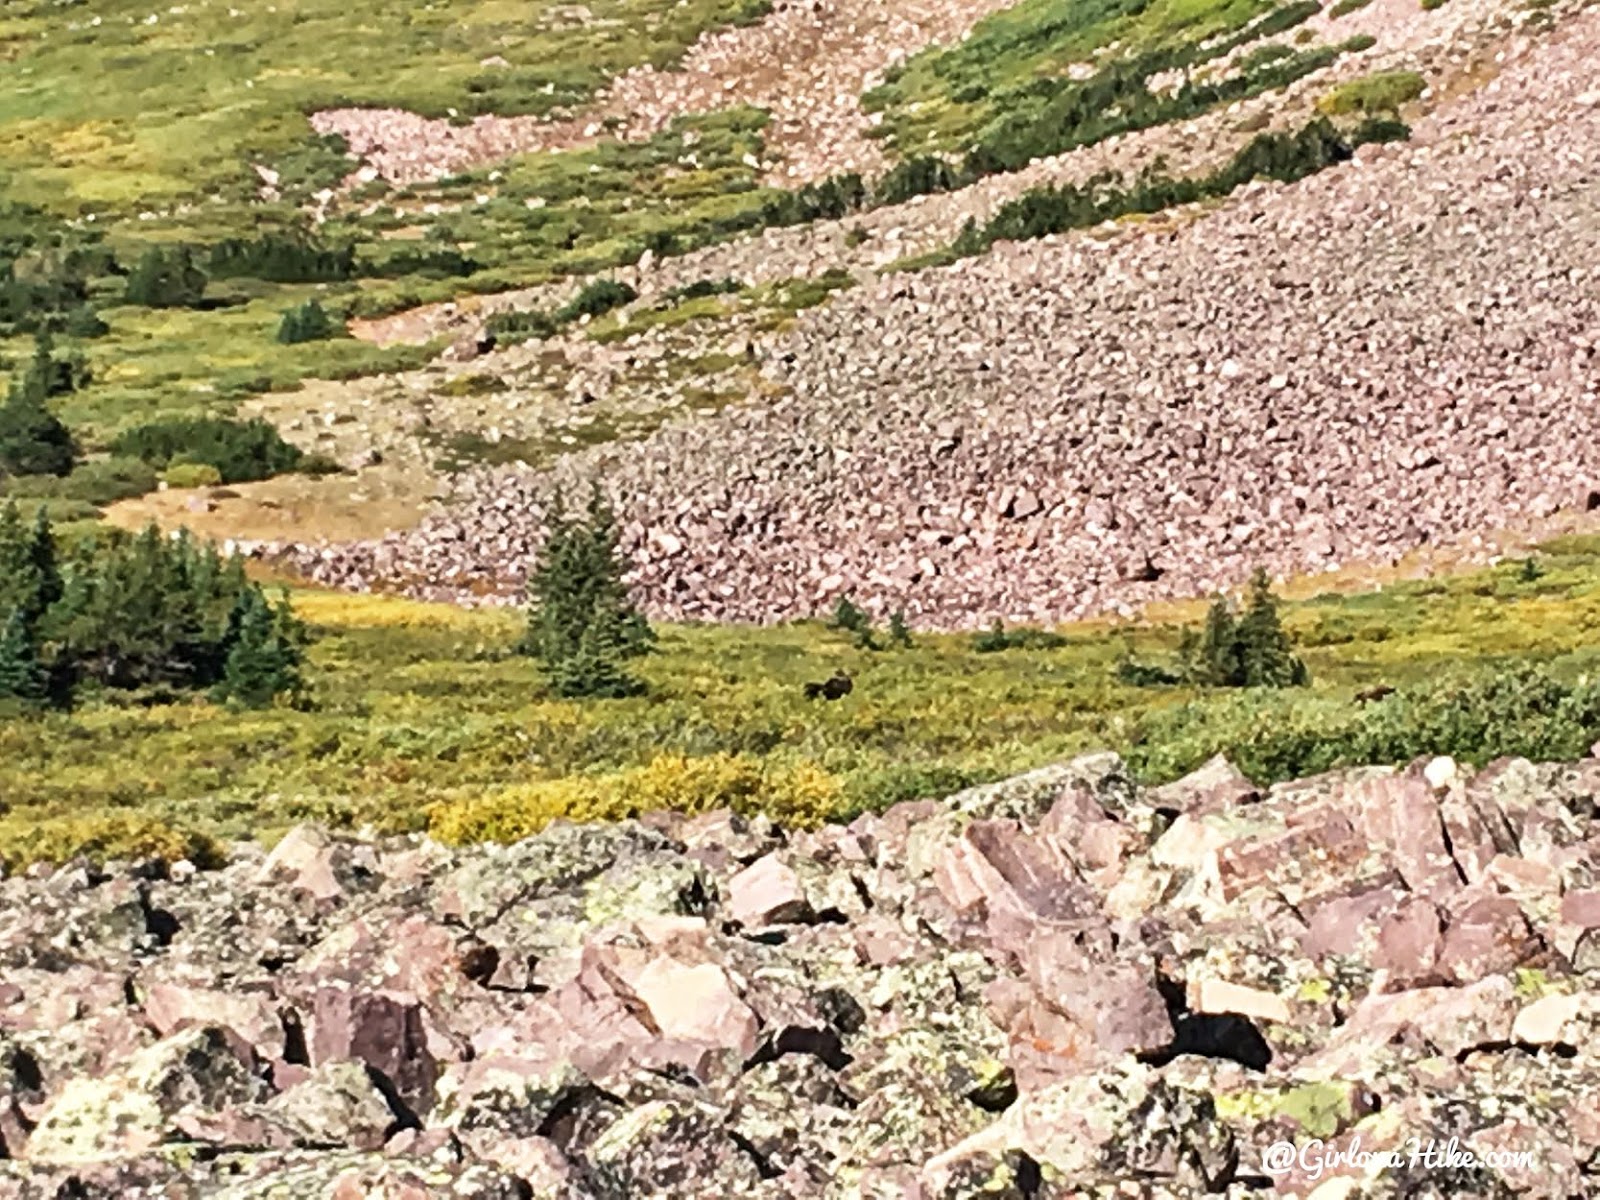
1396,353
807,63
1058,985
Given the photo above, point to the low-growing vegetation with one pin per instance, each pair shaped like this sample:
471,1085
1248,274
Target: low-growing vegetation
1284,157
239,451
1374,95
424,718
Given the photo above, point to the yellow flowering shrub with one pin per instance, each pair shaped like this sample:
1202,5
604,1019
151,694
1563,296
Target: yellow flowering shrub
801,794
28,839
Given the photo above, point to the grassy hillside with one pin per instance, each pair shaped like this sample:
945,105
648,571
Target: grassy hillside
185,97
422,715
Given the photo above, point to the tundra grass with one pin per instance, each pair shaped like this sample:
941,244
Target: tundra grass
122,106
420,709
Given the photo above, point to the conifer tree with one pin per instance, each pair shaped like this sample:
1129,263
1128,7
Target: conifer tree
30,581
581,624
22,675
1266,656
33,440
308,322
1216,657
263,652
899,631
1247,650
848,616
166,279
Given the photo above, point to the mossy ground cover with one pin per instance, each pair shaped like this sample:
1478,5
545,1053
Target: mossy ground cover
422,714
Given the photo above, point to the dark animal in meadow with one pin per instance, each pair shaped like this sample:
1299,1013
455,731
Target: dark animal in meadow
1374,693
835,687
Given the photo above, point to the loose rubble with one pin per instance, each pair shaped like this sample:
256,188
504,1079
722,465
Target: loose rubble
1396,353
1057,985
807,63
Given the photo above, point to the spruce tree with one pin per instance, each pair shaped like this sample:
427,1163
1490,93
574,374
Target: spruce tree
308,322
263,652
1216,661
899,631
166,279
848,616
30,581
33,440
1265,654
22,676
581,623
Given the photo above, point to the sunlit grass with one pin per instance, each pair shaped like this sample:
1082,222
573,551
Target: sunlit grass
418,705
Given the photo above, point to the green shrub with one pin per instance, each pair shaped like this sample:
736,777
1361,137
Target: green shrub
241,451
997,638
917,177
166,278
1381,92
1139,674
308,322
106,481
1285,157
1359,44
46,292
1345,7
1474,715
509,328
430,264
595,298
281,258
191,475
700,289
826,200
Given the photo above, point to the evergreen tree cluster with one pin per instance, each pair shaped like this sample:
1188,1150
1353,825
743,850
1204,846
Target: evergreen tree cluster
442,262
47,294
166,277
1248,649
308,322
33,440
1284,157
142,612
281,258
582,627
241,451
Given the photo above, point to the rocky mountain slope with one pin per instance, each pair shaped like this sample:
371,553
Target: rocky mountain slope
1396,352
1059,985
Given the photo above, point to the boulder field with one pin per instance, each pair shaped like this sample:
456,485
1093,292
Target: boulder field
1399,353
1062,984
